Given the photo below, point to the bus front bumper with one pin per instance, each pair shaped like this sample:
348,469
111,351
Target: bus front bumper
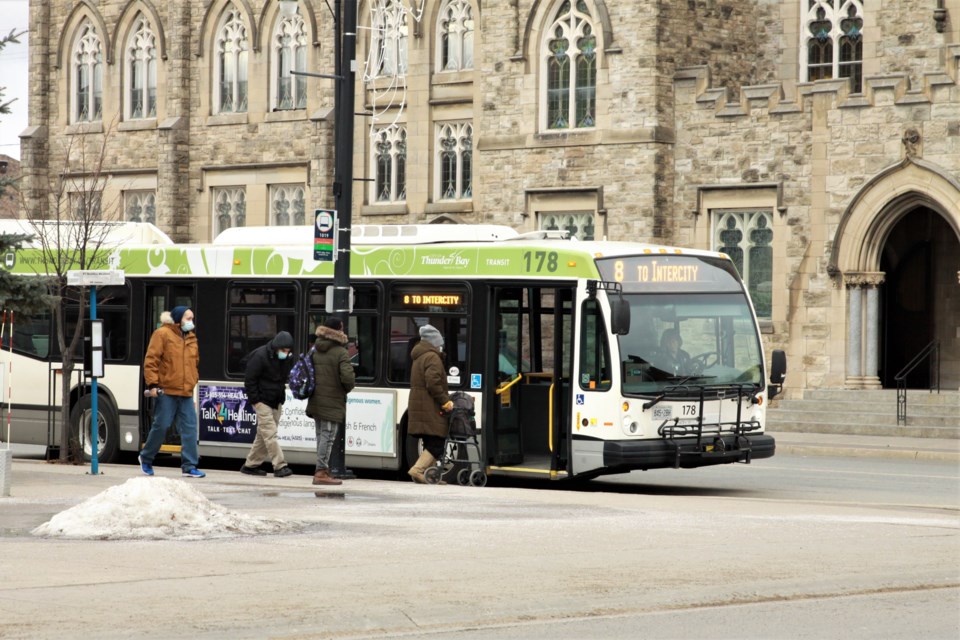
687,453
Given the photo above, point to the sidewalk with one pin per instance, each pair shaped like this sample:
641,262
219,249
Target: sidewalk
830,444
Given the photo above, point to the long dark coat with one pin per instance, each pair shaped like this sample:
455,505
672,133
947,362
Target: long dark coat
428,392
334,377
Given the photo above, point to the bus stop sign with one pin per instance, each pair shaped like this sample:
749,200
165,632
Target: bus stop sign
324,231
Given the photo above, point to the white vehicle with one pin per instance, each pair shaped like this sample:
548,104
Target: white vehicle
562,343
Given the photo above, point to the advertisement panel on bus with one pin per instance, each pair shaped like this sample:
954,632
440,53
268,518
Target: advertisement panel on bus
226,416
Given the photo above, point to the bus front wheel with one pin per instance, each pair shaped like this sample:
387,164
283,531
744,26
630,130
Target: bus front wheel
108,429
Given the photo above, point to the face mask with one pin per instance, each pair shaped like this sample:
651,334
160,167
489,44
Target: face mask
188,326
282,355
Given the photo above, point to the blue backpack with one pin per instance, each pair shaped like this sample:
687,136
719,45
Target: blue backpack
302,380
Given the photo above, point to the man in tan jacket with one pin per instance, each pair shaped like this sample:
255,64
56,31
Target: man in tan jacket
170,371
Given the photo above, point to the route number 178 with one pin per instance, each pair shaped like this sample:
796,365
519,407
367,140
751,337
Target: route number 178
536,260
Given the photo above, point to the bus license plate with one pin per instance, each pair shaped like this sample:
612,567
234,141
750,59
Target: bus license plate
663,413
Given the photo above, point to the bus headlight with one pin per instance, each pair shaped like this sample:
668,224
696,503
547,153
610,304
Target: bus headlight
630,426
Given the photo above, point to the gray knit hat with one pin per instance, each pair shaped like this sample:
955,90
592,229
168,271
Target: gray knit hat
430,334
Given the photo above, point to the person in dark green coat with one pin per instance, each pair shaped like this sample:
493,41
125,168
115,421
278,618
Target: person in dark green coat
328,405
429,397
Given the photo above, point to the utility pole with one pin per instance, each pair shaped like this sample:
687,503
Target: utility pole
343,164
345,52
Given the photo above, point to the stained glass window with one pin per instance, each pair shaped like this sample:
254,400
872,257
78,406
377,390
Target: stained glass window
232,48
140,206
229,208
455,161
455,36
570,67
290,54
142,69
747,237
390,37
833,41
578,225
390,164
87,64
287,205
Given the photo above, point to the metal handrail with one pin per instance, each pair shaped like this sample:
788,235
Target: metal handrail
901,377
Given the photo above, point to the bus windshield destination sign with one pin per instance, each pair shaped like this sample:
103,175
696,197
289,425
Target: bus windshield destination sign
670,272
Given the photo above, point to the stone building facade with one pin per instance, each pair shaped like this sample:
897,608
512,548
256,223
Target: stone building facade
10,196
816,141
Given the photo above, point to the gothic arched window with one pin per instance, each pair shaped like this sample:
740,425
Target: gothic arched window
454,179
747,237
390,164
455,28
569,56
832,44
86,66
390,37
289,54
231,48
141,62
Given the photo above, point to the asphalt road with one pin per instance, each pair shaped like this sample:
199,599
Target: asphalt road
792,547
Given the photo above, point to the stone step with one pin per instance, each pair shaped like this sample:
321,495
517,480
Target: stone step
866,430
914,409
872,396
784,415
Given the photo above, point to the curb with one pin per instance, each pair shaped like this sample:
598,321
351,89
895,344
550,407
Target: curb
868,452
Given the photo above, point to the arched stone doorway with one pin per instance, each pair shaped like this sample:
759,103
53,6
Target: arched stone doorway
896,254
920,300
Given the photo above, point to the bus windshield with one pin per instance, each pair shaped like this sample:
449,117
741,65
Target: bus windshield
689,339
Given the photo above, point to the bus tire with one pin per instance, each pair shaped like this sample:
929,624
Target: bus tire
108,427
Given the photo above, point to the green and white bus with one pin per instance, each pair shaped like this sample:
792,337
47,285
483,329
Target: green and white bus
560,342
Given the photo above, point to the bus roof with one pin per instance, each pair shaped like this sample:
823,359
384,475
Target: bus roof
369,234
400,251
117,233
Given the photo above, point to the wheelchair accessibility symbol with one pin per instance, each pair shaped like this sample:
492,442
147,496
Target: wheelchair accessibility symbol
579,399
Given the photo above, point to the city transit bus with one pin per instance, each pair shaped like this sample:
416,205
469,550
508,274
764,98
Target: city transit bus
563,345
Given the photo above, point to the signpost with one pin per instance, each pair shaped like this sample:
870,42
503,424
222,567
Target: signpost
325,235
93,346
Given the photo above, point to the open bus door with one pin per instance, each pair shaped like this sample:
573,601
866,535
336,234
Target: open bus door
159,298
529,395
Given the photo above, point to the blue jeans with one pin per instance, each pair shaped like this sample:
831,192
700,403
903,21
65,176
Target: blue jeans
167,410
326,434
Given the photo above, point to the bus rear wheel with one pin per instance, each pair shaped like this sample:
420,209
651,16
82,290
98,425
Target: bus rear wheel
108,429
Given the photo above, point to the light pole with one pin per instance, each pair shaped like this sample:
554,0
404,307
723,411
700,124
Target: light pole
345,52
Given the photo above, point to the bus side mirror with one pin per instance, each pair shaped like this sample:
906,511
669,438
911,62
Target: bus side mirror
778,373
619,316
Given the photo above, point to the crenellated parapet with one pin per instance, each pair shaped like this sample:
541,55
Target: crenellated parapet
880,90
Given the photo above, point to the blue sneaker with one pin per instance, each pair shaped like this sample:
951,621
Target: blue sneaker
194,473
145,467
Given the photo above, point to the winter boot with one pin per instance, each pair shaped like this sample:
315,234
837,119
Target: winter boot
323,477
424,461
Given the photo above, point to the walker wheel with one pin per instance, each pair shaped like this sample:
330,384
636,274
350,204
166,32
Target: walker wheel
463,477
478,478
432,475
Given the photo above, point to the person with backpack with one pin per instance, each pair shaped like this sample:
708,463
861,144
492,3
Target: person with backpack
265,381
333,380
429,397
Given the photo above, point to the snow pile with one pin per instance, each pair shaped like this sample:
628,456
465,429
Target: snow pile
155,509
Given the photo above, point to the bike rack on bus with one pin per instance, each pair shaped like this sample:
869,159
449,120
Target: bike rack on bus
709,442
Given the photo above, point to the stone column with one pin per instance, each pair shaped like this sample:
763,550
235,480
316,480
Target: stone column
870,378
854,333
